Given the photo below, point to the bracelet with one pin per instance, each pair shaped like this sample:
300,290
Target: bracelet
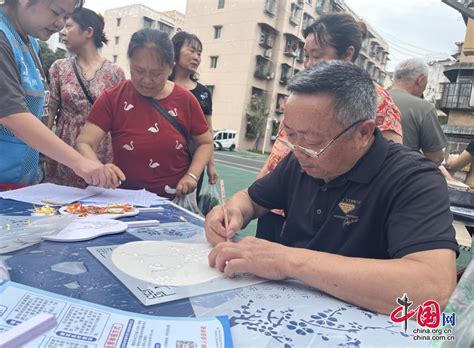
193,176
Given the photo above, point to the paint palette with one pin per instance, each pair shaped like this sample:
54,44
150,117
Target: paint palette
110,211
88,228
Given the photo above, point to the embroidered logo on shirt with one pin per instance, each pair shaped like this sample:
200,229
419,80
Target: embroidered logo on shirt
153,164
347,206
178,145
129,147
173,112
127,106
154,129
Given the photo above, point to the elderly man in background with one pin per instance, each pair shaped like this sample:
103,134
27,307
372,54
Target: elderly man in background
367,219
421,128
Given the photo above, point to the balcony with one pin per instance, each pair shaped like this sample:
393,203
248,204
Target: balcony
267,35
291,45
287,73
456,96
263,69
452,71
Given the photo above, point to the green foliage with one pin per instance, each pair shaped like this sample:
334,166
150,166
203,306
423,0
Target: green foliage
48,57
257,114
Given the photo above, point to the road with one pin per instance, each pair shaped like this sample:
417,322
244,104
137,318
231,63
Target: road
238,162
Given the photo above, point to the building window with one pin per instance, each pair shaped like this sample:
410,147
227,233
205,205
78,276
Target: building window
295,14
307,21
117,40
115,58
214,62
319,7
270,7
291,46
217,31
286,73
220,3
147,22
119,21
166,28
267,38
300,53
280,104
263,69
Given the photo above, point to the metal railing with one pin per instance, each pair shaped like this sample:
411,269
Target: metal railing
456,95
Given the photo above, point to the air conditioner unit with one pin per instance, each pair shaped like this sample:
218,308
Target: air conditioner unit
270,76
267,53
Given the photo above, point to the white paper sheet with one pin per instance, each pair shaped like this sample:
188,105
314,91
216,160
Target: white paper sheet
55,193
84,324
150,294
140,198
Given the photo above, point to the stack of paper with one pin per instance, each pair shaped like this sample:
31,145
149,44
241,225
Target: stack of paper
58,194
52,194
141,198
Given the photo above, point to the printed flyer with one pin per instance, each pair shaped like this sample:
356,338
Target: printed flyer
83,324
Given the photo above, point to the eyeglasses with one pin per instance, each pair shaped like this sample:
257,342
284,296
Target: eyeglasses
313,153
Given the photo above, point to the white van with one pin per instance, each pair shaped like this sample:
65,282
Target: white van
224,139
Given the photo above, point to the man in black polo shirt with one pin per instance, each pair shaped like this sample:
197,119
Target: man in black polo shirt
367,219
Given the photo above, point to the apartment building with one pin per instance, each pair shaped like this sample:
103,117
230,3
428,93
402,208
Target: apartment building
251,49
122,22
457,99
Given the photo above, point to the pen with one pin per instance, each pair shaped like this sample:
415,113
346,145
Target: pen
224,208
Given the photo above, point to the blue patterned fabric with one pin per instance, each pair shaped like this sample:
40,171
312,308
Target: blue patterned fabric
19,162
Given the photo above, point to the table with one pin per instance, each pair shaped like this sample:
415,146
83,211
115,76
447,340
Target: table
285,314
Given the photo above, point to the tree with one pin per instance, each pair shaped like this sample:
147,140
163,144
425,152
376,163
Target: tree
48,57
257,114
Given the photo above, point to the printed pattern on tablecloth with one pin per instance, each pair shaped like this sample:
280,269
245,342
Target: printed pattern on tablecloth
291,314
167,231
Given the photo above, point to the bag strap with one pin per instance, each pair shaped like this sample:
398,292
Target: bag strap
153,102
84,90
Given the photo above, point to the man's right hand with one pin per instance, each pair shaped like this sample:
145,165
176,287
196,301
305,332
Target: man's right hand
98,174
214,225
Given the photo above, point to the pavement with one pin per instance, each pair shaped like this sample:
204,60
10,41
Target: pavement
239,170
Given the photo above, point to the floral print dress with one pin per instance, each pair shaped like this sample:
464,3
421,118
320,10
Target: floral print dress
73,108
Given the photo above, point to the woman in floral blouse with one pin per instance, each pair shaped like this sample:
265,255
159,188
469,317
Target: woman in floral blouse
333,36
70,102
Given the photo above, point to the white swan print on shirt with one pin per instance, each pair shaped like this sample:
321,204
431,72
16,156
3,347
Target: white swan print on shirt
154,129
169,190
153,164
178,145
127,106
173,112
129,147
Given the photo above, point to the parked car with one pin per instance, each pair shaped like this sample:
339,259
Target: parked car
224,139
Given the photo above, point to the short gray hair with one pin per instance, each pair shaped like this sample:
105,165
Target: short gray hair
353,90
410,69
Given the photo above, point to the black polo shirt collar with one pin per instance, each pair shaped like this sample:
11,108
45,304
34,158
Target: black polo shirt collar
371,163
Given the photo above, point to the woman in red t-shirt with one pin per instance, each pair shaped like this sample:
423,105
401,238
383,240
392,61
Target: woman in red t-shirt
148,147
